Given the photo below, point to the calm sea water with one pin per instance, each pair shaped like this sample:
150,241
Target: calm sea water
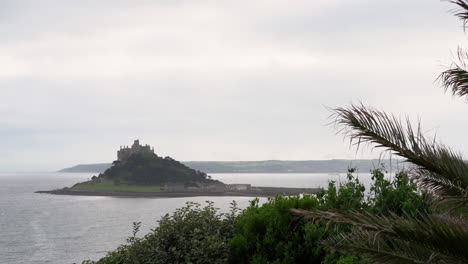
44,228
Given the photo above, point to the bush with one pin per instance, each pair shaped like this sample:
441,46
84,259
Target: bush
267,233
192,234
271,234
399,195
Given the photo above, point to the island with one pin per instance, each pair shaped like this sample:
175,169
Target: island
139,172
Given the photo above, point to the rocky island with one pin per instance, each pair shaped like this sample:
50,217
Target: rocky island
139,172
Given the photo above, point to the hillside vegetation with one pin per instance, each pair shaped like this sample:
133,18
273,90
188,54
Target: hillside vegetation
143,172
150,169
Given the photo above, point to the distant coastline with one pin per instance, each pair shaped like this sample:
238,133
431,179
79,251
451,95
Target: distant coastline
268,166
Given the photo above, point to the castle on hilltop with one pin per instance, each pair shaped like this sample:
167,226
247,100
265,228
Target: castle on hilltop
124,152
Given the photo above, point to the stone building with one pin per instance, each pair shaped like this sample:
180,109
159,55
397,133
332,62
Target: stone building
124,152
214,186
239,187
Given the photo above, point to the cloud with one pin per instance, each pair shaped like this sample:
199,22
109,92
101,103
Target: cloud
214,80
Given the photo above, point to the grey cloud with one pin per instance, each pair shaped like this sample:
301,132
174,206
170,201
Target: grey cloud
214,80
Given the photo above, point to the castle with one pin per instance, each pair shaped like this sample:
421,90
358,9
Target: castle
124,152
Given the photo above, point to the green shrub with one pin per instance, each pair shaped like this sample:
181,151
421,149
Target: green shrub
271,234
267,233
192,234
398,195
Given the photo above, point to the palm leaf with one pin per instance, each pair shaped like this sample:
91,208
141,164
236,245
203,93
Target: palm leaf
378,248
450,196
462,10
434,161
456,77
386,239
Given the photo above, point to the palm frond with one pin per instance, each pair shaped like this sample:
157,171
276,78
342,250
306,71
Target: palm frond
461,11
378,248
433,160
448,195
398,237
456,77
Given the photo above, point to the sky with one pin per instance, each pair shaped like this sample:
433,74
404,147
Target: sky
216,80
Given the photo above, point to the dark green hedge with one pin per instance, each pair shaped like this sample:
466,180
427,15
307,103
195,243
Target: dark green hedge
268,232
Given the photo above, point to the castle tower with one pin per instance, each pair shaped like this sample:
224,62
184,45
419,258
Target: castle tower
125,152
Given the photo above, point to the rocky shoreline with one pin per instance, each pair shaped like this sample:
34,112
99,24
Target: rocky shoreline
256,191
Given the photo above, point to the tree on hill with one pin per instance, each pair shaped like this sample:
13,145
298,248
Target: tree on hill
148,168
439,237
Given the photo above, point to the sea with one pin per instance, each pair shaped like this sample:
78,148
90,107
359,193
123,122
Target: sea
46,228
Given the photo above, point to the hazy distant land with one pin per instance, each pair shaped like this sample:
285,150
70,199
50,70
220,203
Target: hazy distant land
138,171
268,166
83,168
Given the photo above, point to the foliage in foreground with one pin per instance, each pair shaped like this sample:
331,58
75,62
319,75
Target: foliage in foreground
192,234
267,233
271,234
438,237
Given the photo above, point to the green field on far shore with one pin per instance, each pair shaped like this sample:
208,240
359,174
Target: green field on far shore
111,186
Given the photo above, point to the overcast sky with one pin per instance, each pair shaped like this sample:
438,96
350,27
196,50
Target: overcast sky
216,80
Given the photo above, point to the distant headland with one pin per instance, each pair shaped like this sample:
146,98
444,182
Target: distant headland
268,166
139,172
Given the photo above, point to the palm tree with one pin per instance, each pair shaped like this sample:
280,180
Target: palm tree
439,237
456,77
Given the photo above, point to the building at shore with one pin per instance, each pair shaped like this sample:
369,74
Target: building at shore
125,152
